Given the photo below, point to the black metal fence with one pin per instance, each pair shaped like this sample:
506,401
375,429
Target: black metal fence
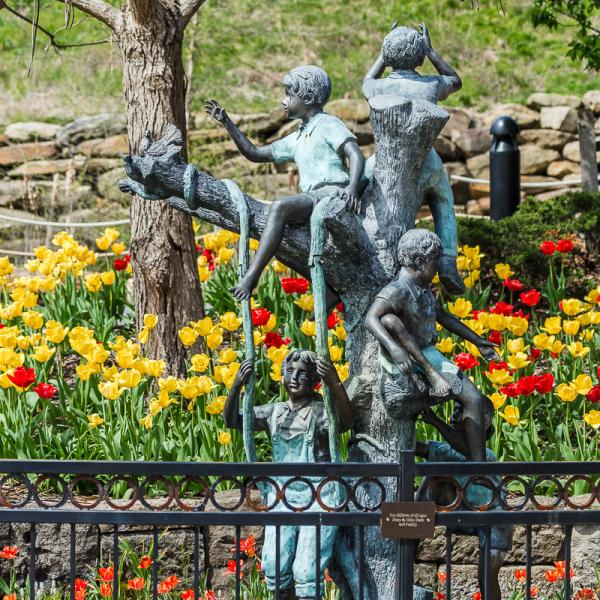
160,495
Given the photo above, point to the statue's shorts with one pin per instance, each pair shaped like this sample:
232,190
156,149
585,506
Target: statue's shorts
327,191
298,550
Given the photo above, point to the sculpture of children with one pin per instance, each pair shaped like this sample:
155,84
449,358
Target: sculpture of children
319,148
299,433
477,494
404,49
403,317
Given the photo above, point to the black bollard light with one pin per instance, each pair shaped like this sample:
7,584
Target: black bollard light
505,168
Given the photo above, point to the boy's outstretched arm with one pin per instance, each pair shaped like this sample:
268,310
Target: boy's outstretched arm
244,145
442,67
231,410
356,162
453,325
338,393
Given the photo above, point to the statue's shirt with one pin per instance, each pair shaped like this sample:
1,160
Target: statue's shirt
292,421
409,84
415,306
316,148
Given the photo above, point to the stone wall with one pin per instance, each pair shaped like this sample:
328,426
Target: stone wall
53,171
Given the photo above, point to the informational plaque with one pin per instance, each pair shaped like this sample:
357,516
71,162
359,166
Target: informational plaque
407,520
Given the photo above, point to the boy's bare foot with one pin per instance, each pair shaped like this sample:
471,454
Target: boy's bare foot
440,387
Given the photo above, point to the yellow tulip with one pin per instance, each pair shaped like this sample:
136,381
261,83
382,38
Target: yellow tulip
593,296
475,325
24,342
204,383
582,384
259,338
461,308
227,356
229,321
516,345
97,354
496,322
202,327
93,282
168,384
340,332
518,360
188,388
118,248
215,338
472,349
229,375
224,438
164,400
110,374
126,359
43,353
471,279
154,407
517,325
577,349
275,373
511,415
566,392
445,345
33,319
110,389
144,335
308,328
9,359
498,400
552,325
271,323
103,243
277,355
571,327
129,378
6,268
253,245
503,271
94,420
499,377
216,406
336,353
8,337
150,321
85,371
572,306
343,371
204,273
108,277
146,421
585,318
543,341
586,335
224,256
188,336
279,267
55,332
200,362
593,418
471,251
306,302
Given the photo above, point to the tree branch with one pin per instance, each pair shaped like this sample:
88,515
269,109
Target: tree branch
100,10
188,9
143,11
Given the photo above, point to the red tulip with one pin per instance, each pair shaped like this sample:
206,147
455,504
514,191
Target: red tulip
530,298
548,248
120,264
475,313
526,385
272,338
294,285
511,390
594,394
45,390
495,337
260,316
22,377
333,319
513,285
502,308
465,361
544,383
498,365
534,354
564,246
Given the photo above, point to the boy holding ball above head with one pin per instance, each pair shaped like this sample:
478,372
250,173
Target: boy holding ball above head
403,317
320,148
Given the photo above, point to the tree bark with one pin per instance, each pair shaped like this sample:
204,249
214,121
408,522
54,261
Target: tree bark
359,259
163,250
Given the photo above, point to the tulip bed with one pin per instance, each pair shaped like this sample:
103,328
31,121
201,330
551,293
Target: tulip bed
76,382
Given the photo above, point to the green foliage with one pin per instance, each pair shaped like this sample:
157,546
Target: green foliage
582,14
516,239
501,57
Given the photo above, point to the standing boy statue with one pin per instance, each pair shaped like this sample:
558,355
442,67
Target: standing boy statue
477,495
403,317
404,49
299,433
319,148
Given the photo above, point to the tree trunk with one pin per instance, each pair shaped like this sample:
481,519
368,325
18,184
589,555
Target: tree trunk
359,258
163,250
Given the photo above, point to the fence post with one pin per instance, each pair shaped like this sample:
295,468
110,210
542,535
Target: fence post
505,168
587,149
406,548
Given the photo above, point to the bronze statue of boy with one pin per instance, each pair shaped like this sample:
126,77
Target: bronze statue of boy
403,319
299,433
319,149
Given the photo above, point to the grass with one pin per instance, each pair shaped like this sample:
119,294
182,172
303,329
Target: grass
243,48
